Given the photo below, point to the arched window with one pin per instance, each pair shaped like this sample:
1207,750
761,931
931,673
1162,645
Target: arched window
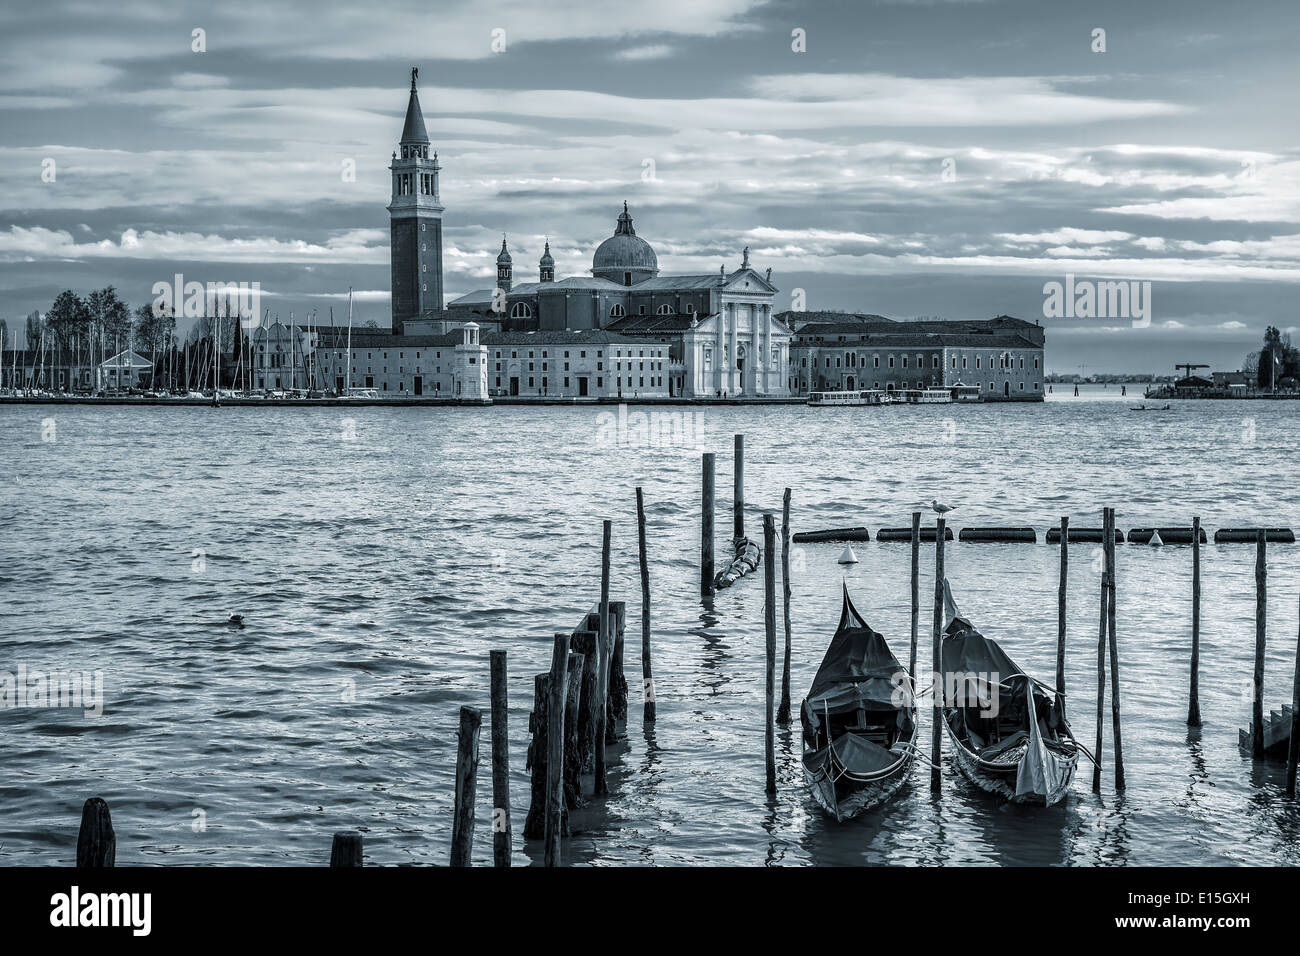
617,312
521,310
665,310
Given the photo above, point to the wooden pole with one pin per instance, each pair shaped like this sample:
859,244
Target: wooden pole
936,714
616,693
346,850
1060,615
603,650
1194,691
783,710
1114,652
1261,618
501,836
558,690
769,624
96,841
462,824
1293,748
916,594
585,644
1101,666
647,676
572,749
706,527
738,490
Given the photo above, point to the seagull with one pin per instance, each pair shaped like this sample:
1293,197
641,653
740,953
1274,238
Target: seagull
940,508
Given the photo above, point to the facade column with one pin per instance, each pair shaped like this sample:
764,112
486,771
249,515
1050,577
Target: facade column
720,366
735,344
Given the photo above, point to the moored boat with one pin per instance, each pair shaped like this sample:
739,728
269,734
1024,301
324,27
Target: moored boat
859,721
1009,735
870,396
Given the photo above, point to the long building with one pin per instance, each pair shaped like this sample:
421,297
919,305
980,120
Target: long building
1002,357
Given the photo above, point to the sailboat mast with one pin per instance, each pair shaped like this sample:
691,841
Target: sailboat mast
349,366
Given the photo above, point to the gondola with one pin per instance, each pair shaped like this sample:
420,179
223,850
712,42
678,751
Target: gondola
987,702
859,721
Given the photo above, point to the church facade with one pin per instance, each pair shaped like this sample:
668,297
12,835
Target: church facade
710,335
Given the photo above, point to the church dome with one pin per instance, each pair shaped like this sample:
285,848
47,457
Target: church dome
625,255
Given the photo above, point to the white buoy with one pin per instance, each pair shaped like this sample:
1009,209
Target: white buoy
1155,541
848,557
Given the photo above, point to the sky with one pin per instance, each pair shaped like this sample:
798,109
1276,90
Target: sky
942,158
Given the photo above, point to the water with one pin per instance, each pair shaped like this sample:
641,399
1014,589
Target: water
375,574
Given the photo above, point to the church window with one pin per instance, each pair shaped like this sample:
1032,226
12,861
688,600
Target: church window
977,361
521,310
617,312
665,310
891,361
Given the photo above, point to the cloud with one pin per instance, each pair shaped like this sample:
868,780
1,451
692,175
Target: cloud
1232,325
653,51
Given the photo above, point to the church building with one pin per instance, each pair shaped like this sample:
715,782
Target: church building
650,334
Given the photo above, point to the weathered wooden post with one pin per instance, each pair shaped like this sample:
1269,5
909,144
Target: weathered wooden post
572,749
647,674
584,644
1261,626
1101,666
617,679
1114,651
916,594
96,841
558,696
1194,691
783,710
1293,748
462,824
769,625
603,650
346,849
936,714
501,835
738,492
706,527
1060,614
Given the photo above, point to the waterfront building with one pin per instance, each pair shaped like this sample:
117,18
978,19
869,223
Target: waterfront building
545,365
282,356
126,369
1002,357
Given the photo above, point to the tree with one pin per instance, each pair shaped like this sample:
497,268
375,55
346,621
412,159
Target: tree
1278,359
110,315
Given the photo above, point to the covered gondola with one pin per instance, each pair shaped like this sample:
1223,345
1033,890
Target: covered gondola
1009,734
859,721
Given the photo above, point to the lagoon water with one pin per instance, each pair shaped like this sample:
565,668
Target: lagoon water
377,554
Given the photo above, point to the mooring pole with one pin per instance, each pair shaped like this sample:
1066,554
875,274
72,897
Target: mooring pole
558,688
647,677
738,491
346,849
936,716
96,841
1261,619
1060,614
462,823
783,710
769,625
706,527
1114,651
604,647
916,594
1194,690
1293,748
501,835
1101,664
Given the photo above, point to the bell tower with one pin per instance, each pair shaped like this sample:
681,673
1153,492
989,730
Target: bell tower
415,220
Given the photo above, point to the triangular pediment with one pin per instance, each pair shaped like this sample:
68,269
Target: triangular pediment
747,280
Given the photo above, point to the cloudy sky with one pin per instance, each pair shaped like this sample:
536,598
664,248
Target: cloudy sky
942,158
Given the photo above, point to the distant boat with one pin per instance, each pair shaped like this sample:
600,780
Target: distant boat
1018,745
870,396
859,721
